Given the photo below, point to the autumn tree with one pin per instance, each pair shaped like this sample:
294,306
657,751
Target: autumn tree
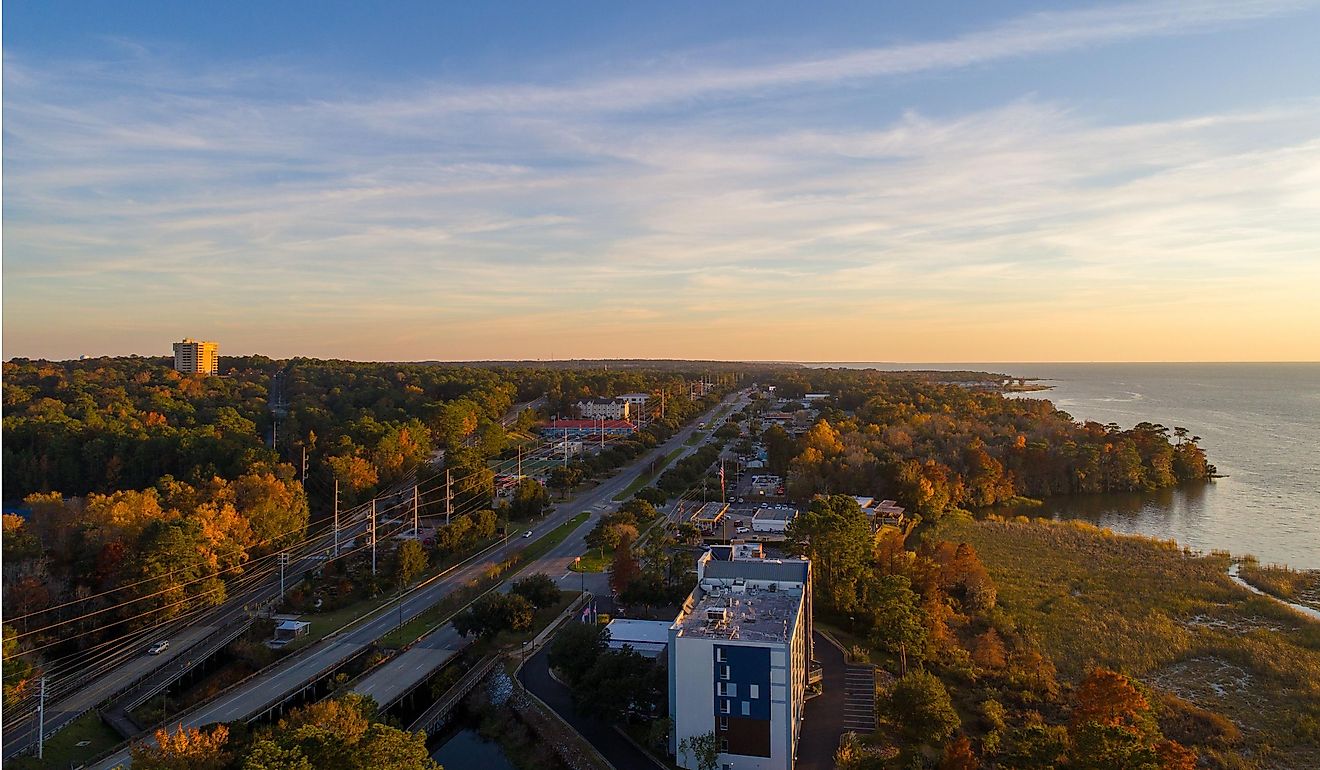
624,569
835,534
188,748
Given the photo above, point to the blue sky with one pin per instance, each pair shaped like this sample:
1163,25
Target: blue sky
852,181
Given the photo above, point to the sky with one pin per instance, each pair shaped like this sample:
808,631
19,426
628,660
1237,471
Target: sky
882,181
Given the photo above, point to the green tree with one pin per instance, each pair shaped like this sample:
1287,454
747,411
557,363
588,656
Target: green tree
922,709
530,499
576,647
704,750
835,534
539,589
410,561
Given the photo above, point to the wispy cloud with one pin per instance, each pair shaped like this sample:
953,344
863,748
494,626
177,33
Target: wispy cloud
538,208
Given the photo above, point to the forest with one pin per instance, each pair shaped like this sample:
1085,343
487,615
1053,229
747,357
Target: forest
934,446
135,494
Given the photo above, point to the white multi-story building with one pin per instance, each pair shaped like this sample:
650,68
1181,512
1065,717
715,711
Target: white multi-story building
636,401
739,654
196,357
603,409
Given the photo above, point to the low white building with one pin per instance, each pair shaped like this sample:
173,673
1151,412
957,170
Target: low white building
773,520
646,637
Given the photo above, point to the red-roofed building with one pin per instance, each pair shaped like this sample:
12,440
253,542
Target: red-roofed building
570,429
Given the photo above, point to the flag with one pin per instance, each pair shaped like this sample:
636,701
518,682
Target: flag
586,612
721,478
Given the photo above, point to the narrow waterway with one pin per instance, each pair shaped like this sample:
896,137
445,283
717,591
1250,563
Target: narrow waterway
463,748
1309,612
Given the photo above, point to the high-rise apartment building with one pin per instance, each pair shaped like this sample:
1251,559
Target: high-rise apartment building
195,357
739,656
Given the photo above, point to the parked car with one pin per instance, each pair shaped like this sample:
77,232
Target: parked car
743,530
158,647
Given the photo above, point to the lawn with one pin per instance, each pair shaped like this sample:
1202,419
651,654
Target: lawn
62,749
695,438
594,560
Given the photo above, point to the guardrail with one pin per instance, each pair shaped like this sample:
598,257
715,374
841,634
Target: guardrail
434,715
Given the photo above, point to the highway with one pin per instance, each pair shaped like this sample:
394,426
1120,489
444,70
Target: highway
292,673
189,640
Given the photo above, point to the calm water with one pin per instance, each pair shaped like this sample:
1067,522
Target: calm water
465,749
1259,424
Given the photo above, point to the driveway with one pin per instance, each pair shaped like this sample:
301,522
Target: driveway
824,716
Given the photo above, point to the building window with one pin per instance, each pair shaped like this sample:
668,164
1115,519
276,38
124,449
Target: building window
719,655
724,707
724,746
724,723
746,709
724,672
753,691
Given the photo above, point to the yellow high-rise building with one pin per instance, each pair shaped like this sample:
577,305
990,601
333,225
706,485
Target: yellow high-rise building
195,357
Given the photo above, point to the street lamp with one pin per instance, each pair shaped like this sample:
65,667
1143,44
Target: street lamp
582,576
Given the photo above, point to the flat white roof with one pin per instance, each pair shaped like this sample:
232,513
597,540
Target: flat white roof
625,630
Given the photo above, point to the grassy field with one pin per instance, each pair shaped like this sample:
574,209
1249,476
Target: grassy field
1167,617
62,749
695,438
646,478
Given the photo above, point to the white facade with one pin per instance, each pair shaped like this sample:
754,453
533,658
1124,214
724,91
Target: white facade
738,658
773,519
603,409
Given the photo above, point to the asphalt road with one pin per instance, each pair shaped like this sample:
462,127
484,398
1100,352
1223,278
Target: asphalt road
291,673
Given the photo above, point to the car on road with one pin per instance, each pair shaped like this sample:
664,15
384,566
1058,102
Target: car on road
743,530
528,533
158,647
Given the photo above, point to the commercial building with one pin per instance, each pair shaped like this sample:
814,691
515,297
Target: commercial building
766,485
739,655
883,513
197,357
587,429
709,516
773,520
603,409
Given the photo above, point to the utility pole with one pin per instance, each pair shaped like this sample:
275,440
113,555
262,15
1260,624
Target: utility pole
416,532
284,561
373,536
304,466
336,517
449,498
520,461
41,717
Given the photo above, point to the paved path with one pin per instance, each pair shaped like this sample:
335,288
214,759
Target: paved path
621,753
293,672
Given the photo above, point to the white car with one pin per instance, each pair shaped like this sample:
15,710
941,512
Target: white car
743,530
158,647
528,533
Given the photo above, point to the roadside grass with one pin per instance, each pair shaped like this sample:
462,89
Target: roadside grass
439,613
646,478
695,438
62,750
594,560
325,623
1150,609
